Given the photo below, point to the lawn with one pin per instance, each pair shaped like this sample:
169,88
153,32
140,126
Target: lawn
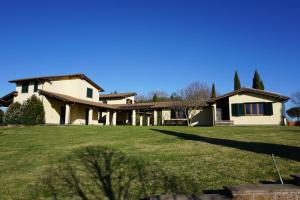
211,156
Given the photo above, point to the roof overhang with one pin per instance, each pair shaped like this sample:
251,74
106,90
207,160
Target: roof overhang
50,78
276,96
8,99
71,100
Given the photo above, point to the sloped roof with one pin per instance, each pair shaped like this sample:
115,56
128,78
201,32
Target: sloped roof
49,78
70,99
117,95
150,105
253,91
8,98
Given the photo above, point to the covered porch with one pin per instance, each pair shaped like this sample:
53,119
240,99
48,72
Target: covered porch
65,110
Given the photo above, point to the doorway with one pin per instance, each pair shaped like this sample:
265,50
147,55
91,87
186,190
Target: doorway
62,115
87,116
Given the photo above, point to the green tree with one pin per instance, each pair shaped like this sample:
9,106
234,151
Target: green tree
257,82
1,116
213,91
32,111
262,86
13,114
155,98
237,82
294,113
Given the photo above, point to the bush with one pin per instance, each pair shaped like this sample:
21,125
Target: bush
13,114
32,111
1,116
294,113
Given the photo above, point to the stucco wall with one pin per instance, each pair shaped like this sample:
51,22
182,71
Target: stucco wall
73,87
24,96
203,117
275,119
119,100
165,115
52,110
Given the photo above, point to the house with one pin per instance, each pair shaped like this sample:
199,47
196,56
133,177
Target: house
76,99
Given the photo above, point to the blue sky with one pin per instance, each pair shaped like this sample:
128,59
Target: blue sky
149,45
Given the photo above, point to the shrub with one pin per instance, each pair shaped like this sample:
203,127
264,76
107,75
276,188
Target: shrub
1,116
32,111
294,113
13,114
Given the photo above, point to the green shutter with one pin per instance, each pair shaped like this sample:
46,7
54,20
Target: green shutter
234,109
241,109
268,108
89,93
25,87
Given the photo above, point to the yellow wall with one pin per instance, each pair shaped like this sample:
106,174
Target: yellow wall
119,100
203,117
275,119
73,87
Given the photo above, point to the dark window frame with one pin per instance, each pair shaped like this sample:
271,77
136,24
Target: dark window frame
89,93
35,86
246,109
129,101
25,87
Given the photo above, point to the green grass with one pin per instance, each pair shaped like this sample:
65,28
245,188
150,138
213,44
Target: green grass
235,155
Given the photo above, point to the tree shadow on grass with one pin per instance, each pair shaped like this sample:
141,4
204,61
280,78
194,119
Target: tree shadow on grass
103,173
284,151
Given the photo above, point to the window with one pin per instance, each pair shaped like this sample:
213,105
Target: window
177,114
25,87
261,108
128,101
242,109
248,108
254,108
36,84
89,93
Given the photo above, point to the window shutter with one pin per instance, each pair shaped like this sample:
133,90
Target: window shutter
241,109
234,109
268,108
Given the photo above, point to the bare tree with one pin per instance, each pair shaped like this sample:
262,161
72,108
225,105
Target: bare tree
159,95
295,97
191,99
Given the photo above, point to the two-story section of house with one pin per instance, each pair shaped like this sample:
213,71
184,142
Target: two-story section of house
67,99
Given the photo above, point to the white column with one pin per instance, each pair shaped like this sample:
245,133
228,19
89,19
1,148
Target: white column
126,117
68,114
214,107
148,120
133,118
114,118
155,118
141,120
90,116
107,118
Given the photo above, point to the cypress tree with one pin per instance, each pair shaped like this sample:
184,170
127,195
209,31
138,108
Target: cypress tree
154,98
237,82
257,82
262,86
213,91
